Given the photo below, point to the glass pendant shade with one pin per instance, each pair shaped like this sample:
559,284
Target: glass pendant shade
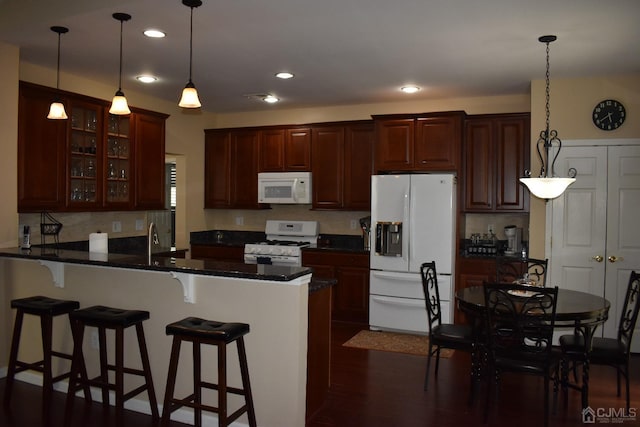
119,105
57,112
547,188
189,97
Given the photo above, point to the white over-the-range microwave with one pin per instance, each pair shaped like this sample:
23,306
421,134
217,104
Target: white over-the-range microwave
284,187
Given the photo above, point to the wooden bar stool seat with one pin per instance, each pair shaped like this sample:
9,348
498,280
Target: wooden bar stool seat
116,319
46,309
201,331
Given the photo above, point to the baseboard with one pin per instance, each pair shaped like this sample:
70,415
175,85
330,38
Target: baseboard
183,415
3,372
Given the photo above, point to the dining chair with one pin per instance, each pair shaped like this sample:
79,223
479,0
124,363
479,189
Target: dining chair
510,269
519,323
613,352
442,335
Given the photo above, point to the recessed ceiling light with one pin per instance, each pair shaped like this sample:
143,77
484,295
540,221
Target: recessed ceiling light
156,34
410,89
284,75
270,99
146,79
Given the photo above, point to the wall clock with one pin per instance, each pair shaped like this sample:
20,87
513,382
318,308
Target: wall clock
609,114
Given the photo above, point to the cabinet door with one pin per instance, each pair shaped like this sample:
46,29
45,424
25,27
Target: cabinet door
244,168
217,169
272,150
297,150
149,155
438,143
84,156
351,296
328,165
41,152
119,164
394,144
479,165
358,167
512,158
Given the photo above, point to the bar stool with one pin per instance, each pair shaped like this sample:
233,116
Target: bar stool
118,320
46,309
200,331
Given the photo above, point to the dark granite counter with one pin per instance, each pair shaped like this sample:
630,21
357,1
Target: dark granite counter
162,263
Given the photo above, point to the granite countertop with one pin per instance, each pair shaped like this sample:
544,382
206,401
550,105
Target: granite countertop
325,242
161,263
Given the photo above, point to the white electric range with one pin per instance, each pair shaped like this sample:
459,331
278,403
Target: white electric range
284,243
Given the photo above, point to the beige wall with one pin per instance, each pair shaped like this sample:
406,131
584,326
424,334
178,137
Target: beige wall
572,101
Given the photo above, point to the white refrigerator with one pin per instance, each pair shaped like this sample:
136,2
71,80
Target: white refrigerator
413,220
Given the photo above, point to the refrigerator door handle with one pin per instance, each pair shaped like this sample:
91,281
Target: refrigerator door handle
399,301
390,275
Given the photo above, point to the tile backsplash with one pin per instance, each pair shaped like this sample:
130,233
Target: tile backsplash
479,223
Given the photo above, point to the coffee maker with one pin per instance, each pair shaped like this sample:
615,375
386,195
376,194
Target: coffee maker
514,240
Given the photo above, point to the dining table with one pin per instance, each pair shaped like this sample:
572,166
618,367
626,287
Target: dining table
579,311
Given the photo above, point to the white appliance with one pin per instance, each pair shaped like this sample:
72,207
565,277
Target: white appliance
413,220
285,240
284,187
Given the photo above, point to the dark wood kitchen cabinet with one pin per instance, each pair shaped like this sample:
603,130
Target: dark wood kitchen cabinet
231,168
285,149
496,154
418,142
88,162
218,252
342,165
351,270
473,272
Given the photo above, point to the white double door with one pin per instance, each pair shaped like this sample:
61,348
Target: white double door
595,233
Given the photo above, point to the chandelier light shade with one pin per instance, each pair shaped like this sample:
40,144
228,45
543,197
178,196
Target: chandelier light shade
548,186
189,97
119,104
56,110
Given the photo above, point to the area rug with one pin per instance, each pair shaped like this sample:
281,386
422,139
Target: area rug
394,342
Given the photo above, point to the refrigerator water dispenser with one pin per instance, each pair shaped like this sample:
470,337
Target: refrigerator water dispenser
389,239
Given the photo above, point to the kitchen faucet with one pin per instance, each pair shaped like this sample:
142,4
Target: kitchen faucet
152,239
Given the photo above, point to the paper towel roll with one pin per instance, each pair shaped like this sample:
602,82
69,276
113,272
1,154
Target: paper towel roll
99,243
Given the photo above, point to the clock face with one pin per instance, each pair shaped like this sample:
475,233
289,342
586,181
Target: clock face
609,114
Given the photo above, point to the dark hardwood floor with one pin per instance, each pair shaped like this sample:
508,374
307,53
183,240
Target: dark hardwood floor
377,389
383,389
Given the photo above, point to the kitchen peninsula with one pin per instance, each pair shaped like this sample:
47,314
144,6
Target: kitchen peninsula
272,299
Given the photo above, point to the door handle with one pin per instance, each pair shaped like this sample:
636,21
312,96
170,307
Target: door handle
598,258
614,258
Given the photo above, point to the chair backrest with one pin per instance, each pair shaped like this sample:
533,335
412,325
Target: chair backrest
431,293
630,310
520,320
509,269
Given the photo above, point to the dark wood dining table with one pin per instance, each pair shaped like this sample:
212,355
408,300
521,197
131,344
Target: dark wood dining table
579,311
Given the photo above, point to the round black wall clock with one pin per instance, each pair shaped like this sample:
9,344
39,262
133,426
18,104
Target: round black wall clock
609,114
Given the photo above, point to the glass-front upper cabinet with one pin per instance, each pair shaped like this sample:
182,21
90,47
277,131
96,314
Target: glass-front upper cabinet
84,155
118,163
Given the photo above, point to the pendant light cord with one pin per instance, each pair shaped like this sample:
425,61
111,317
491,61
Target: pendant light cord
191,45
120,73
58,69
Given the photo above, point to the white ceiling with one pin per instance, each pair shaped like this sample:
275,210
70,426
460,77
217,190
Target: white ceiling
341,51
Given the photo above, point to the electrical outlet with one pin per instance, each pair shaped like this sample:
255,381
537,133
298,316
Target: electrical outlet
354,224
116,226
95,342
139,224
239,220
490,229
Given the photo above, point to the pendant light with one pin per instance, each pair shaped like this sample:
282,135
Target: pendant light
56,111
548,185
119,104
189,97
